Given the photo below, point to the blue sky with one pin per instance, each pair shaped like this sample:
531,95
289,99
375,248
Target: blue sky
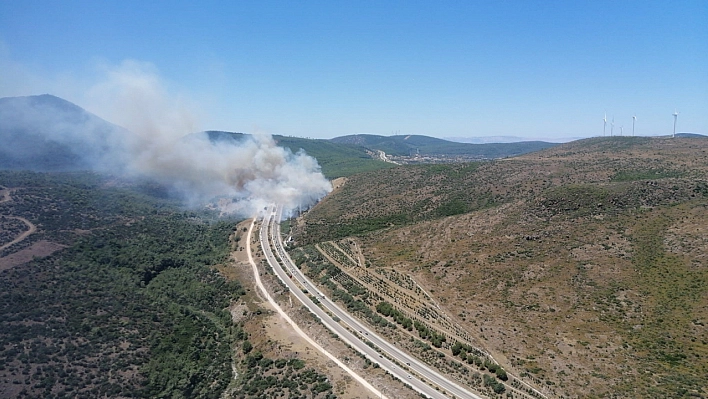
321,69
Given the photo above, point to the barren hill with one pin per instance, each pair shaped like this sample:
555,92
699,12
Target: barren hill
583,267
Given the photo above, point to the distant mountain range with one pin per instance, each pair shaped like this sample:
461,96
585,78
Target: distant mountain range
486,139
47,133
408,145
503,139
336,160
691,135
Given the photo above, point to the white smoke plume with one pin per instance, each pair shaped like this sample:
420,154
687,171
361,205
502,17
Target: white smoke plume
246,175
160,143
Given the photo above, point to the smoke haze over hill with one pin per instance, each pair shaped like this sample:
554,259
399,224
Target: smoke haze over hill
157,143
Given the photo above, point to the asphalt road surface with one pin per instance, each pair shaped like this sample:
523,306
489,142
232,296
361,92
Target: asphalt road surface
400,364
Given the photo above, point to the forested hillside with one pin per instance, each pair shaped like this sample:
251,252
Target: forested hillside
117,294
129,307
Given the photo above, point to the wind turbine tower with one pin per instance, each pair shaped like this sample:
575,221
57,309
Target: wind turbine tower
634,119
675,117
604,125
612,126
621,130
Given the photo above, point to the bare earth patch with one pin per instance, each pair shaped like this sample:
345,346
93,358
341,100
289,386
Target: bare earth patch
39,249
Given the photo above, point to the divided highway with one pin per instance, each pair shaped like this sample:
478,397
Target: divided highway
406,367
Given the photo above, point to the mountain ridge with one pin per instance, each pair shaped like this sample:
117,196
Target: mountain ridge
408,145
48,133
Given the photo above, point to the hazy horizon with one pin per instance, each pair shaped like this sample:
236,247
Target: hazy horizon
547,71
470,139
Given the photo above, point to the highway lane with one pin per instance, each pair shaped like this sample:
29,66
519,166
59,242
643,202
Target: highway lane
294,325
347,336
414,368
403,358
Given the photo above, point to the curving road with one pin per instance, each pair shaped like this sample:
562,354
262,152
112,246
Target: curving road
5,194
297,328
31,228
400,364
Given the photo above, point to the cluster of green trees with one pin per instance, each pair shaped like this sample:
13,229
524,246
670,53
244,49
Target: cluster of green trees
353,296
473,356
431,335
269,378
496,386
388,310
356,227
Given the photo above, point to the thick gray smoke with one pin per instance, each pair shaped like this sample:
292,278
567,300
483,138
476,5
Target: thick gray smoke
158,142
255,171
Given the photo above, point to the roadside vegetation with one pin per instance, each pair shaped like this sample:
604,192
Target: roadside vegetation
421,334
264,377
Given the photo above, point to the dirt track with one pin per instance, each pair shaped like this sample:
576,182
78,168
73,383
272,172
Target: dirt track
6,195
274,336
31,227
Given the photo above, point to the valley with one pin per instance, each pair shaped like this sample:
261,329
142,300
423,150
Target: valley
336,200
576,271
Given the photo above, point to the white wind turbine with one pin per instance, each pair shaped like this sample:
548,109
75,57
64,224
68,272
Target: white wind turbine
604,125
675,114
634,119
612,126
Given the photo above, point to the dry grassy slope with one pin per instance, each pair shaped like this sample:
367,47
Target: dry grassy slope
402,195
588,271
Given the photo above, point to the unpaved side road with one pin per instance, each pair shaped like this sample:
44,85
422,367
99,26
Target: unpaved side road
31,227
5,194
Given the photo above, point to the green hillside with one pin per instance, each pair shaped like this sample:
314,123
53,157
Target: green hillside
404,145
335,159
120,294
